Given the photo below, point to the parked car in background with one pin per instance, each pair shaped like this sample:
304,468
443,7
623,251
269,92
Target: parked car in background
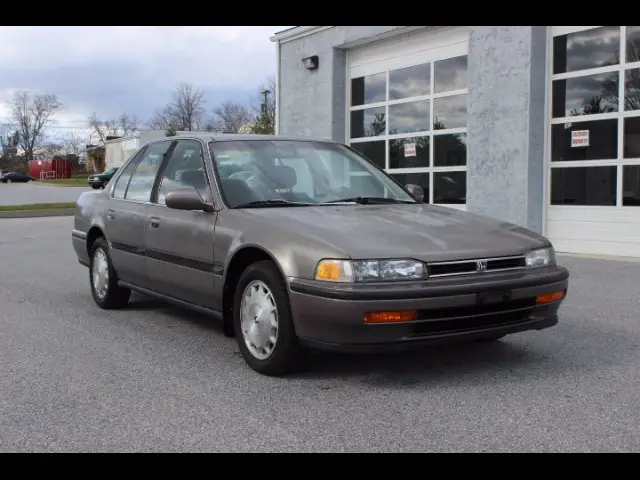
298,243
17,177
100,180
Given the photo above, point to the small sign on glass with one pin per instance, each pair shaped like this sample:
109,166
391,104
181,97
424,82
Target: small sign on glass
580,138
409,149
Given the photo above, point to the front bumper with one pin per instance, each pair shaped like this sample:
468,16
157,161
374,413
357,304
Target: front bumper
450,309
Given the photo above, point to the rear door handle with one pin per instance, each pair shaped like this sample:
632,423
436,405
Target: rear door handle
154,222
111,214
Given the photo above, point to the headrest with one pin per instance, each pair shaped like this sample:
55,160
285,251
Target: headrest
192,177
282,177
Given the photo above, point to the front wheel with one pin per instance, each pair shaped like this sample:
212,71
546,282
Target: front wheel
263,322
95,187
103,279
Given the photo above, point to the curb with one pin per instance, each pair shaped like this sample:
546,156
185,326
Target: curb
38,184
51,212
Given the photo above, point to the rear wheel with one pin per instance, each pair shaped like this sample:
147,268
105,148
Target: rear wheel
263,322
103,279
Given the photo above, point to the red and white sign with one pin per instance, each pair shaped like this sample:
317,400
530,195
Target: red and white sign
409,149
580,138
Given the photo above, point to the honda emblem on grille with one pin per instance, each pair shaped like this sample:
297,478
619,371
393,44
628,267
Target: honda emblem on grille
481,266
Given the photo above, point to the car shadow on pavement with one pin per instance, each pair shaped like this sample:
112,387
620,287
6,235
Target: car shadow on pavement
572,349
578,344
142,303
410,368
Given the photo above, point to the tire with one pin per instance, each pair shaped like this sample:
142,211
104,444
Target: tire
112,296
265,279
95,187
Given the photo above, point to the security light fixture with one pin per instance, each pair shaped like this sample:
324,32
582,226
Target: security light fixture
310,63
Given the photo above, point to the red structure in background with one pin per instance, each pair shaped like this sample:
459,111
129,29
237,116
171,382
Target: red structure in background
50,169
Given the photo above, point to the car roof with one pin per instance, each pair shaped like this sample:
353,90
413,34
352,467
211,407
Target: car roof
228,137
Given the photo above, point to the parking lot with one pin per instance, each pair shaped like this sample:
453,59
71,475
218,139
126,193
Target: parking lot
24,193
157,378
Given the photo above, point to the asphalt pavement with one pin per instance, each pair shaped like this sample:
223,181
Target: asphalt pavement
157,378
24,193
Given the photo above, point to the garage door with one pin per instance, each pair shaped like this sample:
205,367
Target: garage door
407,109
594,147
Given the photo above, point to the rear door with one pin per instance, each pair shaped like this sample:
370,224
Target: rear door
179,243
127,213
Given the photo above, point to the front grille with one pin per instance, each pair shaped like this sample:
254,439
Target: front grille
480,265
457,319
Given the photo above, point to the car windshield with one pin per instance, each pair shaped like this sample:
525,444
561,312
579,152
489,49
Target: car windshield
109,171
290,173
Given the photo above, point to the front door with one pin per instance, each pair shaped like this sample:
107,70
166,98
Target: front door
179,244
127,211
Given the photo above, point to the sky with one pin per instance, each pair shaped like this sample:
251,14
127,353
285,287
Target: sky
111,70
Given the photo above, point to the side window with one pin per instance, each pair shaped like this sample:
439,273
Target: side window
185,168
304,176
145,173
123,180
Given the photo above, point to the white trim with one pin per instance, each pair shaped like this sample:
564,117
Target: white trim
596,117
407,50
591,229
557,31
595,163
415,48
548,113
277,92
296,32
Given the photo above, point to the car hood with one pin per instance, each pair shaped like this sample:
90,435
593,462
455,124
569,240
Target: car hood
424,232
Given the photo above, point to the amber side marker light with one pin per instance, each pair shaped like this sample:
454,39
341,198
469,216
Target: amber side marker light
550,297
390,317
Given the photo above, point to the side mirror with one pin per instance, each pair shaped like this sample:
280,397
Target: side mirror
186,198
416,191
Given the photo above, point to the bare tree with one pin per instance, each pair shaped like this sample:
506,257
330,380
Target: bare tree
159,121
74,143
32,114
125,125
9,140
51,148
231,117
185,111
264,107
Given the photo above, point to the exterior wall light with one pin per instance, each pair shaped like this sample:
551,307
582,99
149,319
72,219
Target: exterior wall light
310,63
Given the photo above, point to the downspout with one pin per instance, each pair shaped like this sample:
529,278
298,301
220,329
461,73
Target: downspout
277,92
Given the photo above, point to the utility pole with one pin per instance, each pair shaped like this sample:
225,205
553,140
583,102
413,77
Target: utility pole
265,100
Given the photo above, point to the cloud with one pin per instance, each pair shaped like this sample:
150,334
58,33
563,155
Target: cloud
111,70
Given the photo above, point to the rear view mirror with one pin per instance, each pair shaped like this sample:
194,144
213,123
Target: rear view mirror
186,198
416,191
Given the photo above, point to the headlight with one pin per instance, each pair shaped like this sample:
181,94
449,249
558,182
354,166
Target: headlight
542,257
370,270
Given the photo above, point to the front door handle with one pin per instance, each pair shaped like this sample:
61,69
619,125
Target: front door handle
111,214
154,222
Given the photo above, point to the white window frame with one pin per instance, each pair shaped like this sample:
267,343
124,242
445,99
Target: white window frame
619,162
430,54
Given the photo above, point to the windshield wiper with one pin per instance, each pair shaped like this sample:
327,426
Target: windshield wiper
369,200
272,203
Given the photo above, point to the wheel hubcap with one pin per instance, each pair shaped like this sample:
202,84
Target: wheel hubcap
100,273
259,320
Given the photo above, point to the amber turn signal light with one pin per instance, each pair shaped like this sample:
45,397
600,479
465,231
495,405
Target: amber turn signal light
390,317
550,297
